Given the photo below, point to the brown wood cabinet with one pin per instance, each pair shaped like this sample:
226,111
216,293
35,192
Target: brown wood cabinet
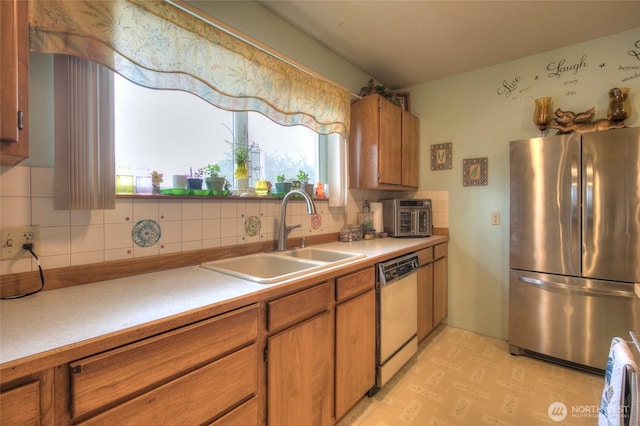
355,339
383,146
425,293
195,373
432,288
14,81
300,358
440,284
28,401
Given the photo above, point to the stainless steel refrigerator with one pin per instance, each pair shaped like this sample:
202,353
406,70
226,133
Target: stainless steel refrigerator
574,253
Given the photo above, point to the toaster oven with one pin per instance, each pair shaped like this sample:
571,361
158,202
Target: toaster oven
407,217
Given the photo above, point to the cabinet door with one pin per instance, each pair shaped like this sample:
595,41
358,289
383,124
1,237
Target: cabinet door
14,98
410,150
425,300
390,144
440,291
355,350
21,405
300,374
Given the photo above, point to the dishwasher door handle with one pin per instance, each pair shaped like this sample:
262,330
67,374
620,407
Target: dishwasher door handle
588,291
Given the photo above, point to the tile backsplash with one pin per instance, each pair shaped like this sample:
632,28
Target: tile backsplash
70,238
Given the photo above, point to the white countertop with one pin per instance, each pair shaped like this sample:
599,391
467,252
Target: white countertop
55,319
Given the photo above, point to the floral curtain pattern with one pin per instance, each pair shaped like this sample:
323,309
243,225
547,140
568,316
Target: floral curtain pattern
158,45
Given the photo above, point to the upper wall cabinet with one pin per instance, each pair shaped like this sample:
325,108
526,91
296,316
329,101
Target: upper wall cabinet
383,146
14,96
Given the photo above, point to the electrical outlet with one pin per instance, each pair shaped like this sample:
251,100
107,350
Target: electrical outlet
13,238
495,218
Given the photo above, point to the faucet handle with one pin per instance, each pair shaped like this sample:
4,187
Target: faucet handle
289,228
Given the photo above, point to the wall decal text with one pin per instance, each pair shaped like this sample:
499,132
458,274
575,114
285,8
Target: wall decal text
560,67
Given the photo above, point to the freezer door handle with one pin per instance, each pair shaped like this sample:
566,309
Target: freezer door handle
589,291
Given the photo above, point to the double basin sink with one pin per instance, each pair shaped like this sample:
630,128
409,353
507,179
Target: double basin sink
273,267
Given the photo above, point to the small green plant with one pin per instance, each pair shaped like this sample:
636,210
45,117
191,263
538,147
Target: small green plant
302,176
213,170
280,178
198,173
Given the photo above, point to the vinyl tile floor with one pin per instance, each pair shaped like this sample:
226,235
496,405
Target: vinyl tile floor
462,378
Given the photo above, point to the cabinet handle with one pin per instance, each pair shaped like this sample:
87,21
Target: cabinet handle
20,120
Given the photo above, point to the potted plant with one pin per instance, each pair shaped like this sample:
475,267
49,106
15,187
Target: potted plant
194,181
282,187
303,177
213,180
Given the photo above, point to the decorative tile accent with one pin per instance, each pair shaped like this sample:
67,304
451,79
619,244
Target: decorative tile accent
252,226
146,233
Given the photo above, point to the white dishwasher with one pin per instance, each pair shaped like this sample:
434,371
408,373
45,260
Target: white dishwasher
397,316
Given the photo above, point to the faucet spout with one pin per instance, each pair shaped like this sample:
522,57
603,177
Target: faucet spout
284,229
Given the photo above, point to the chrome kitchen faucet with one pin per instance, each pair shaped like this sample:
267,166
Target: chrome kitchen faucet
284,229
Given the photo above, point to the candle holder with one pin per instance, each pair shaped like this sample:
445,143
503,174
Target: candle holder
542,113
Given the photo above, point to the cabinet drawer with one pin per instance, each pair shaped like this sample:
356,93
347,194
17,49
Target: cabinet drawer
425,256
355,283
297,307
194,398
21,405
101,379
246,414
440,250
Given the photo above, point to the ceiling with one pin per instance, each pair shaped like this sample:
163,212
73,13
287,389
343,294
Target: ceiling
403,43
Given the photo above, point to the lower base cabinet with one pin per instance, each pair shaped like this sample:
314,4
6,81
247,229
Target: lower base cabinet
432,288
28,400
440,284
355,339
300,358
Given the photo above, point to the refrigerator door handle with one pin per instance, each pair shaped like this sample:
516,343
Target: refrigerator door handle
588,211
575,207
576,289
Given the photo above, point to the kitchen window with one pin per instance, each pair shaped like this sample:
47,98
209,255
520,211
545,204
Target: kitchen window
175,132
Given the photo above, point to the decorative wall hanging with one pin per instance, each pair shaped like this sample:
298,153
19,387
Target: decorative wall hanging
475,171
403,100
442,156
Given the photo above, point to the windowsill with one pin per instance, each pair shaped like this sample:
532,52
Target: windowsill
209,197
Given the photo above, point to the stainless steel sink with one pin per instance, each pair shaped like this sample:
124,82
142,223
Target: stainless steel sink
269,268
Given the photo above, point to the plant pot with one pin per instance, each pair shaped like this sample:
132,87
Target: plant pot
215,183
261,187
295,184
308,188
194,183
283,187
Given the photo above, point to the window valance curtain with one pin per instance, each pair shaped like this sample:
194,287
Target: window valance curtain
156,44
